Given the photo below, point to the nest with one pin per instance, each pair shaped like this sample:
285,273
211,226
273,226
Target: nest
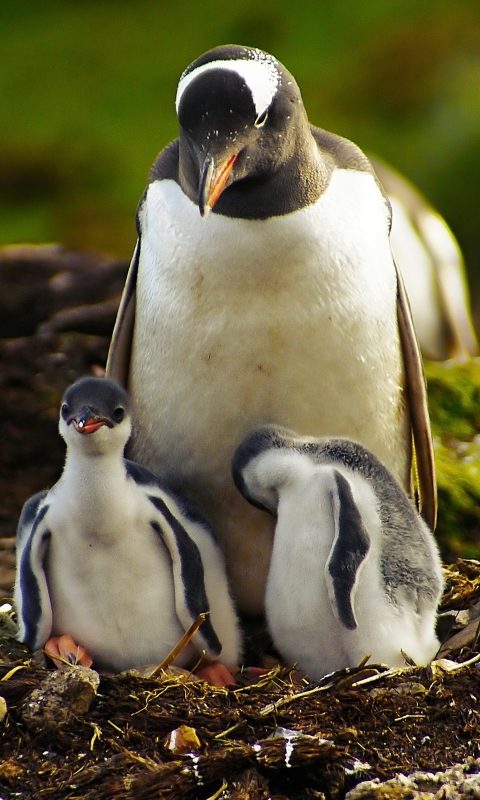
137,738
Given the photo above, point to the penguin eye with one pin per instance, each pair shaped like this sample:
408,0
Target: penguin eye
118,414
65,410
261,119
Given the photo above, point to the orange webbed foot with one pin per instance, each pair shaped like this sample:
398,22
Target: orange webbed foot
216,673
63,650
256,672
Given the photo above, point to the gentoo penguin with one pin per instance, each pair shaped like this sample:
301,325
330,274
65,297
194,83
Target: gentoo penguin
432,267
110,557
354,570
263,290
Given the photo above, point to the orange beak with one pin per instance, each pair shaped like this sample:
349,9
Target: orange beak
213,181
89,427
88,422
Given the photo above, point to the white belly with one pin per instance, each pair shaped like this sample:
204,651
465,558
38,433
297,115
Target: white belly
116,597
241,323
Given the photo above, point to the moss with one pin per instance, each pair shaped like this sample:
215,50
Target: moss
454,398
454,401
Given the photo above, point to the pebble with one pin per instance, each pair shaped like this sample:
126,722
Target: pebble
460,782
68,692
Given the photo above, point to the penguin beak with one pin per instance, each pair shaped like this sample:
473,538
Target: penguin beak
213,181
88,422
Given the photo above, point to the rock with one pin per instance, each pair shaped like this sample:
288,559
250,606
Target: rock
467,636
182,740
8,626
40,283
458,783
68,692
464,617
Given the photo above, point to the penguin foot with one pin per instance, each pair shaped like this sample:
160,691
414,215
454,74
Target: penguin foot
63,650
216,673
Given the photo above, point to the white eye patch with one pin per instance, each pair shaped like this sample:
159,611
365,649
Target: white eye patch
260,75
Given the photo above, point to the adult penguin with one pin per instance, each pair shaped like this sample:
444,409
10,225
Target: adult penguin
263,290
433,269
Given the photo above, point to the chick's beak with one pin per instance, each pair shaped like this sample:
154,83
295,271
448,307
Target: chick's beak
213,180
88,422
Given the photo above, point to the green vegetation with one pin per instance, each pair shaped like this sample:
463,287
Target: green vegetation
454,400
88,92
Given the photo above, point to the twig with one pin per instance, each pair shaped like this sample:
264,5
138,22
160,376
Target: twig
181,644
13,671
219,792
285,700
229,730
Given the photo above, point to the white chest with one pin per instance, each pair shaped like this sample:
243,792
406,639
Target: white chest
110,580
289,320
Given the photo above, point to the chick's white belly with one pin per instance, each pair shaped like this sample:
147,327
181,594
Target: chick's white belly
114,600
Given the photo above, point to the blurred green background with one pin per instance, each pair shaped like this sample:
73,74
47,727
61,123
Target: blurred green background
87,93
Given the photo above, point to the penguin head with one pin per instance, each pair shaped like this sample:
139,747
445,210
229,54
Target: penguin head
240,114
263,463
95,416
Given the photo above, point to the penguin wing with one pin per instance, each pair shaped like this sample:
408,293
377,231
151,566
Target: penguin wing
416,392
350,547
27,519
31,594
118,360
188,573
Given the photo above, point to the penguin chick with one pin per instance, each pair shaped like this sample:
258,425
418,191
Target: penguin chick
112,558
263,289
355,570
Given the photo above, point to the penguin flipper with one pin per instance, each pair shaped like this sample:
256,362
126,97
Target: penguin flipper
416,393
188,576
350,547
27,519
31,594
118,360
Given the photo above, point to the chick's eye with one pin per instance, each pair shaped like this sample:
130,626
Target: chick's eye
118,414
65,410
261,119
